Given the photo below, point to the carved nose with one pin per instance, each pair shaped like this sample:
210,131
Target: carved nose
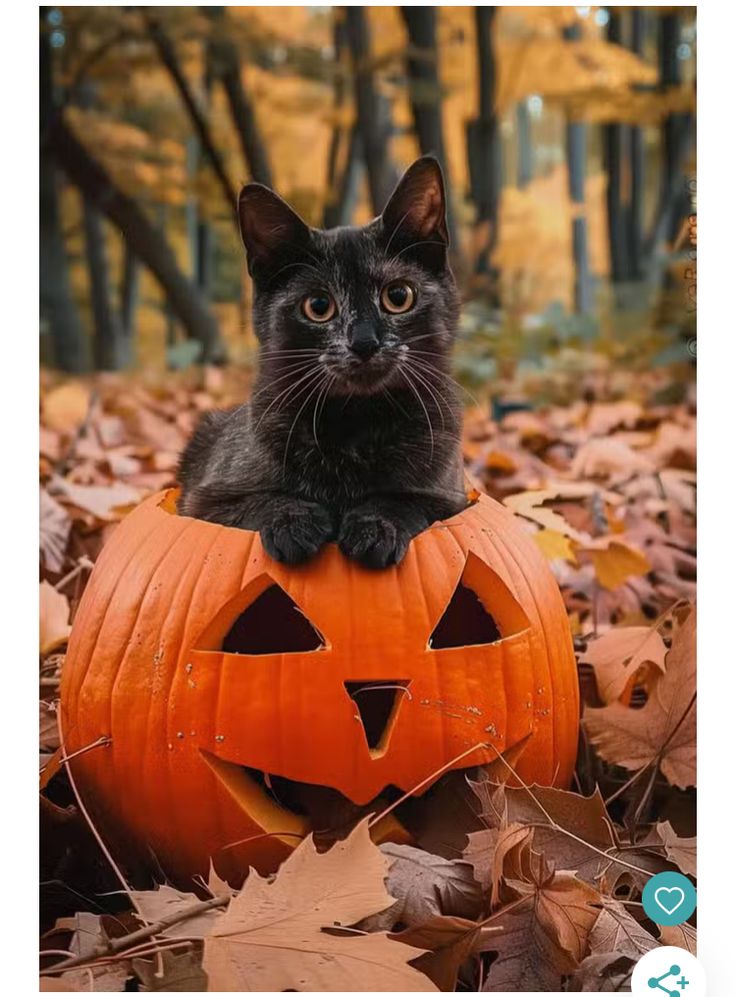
363,340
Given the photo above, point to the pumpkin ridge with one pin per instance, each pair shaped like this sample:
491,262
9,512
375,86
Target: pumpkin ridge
121,664
171,678
80,621
521,565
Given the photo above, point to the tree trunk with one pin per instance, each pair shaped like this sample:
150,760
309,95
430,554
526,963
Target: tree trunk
675,126
525,149
167,53
617,160
638,161
141,236
484,144
373,123
228,69
109,344
575,142
425,93
129,294
341,211
57,306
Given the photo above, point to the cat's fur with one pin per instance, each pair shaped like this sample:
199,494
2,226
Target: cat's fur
353,430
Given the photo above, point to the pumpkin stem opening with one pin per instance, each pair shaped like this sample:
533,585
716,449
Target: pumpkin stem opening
377,704
272,624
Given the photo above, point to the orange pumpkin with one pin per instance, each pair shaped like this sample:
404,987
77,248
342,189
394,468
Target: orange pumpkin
219,674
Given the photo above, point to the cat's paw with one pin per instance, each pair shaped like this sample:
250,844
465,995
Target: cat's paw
297,531
372,539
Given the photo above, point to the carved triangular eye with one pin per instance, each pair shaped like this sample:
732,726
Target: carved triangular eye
482,610
262,619
272,624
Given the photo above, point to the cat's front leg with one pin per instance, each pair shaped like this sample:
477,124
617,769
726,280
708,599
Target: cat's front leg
377,532
292,529
295,530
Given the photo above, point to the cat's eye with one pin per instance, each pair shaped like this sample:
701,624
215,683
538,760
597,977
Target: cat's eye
398,297
319,307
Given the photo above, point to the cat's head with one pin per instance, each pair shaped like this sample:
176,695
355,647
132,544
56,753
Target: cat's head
354,310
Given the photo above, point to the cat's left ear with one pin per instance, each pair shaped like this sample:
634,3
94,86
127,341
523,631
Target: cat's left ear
272,232
416,211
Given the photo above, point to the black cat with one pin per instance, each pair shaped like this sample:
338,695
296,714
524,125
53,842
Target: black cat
353,430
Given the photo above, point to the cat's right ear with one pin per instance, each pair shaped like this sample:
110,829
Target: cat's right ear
272,232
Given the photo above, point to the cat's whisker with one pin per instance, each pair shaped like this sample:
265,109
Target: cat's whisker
318,407
313,388
405,374
429,369
293,370
433,394
289,390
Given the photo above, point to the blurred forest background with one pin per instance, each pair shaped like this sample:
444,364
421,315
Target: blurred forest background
566,134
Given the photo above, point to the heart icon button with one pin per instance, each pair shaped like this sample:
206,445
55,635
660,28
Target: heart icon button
669,898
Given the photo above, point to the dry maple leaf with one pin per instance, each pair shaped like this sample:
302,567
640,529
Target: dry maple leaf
615,562
681,851
605,972
449,941
684,936
273,935
663,731
615,930
425,886
610,458
164,901
618,655
54,626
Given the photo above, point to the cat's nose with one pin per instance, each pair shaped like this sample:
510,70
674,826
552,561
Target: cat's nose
363,340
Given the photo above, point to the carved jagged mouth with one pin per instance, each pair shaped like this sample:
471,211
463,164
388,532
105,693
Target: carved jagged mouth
290,810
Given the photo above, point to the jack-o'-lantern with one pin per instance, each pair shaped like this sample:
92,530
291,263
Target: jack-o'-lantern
226,681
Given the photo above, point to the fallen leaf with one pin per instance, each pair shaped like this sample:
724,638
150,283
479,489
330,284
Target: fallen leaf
54,626
105,502
449,941
531,505
165,901
54,534
616,562
272,936
618,655
684,936
555,545
681,851
607,972
609,458
179,972
662,731
65,408
615,930
424,886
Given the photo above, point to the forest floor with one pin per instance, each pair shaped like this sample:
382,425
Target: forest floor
538,889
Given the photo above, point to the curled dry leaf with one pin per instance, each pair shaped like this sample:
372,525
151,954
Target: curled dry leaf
620,654
425,886
54,626
449,941
54,533
663,731
273,935
545,921
170,971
